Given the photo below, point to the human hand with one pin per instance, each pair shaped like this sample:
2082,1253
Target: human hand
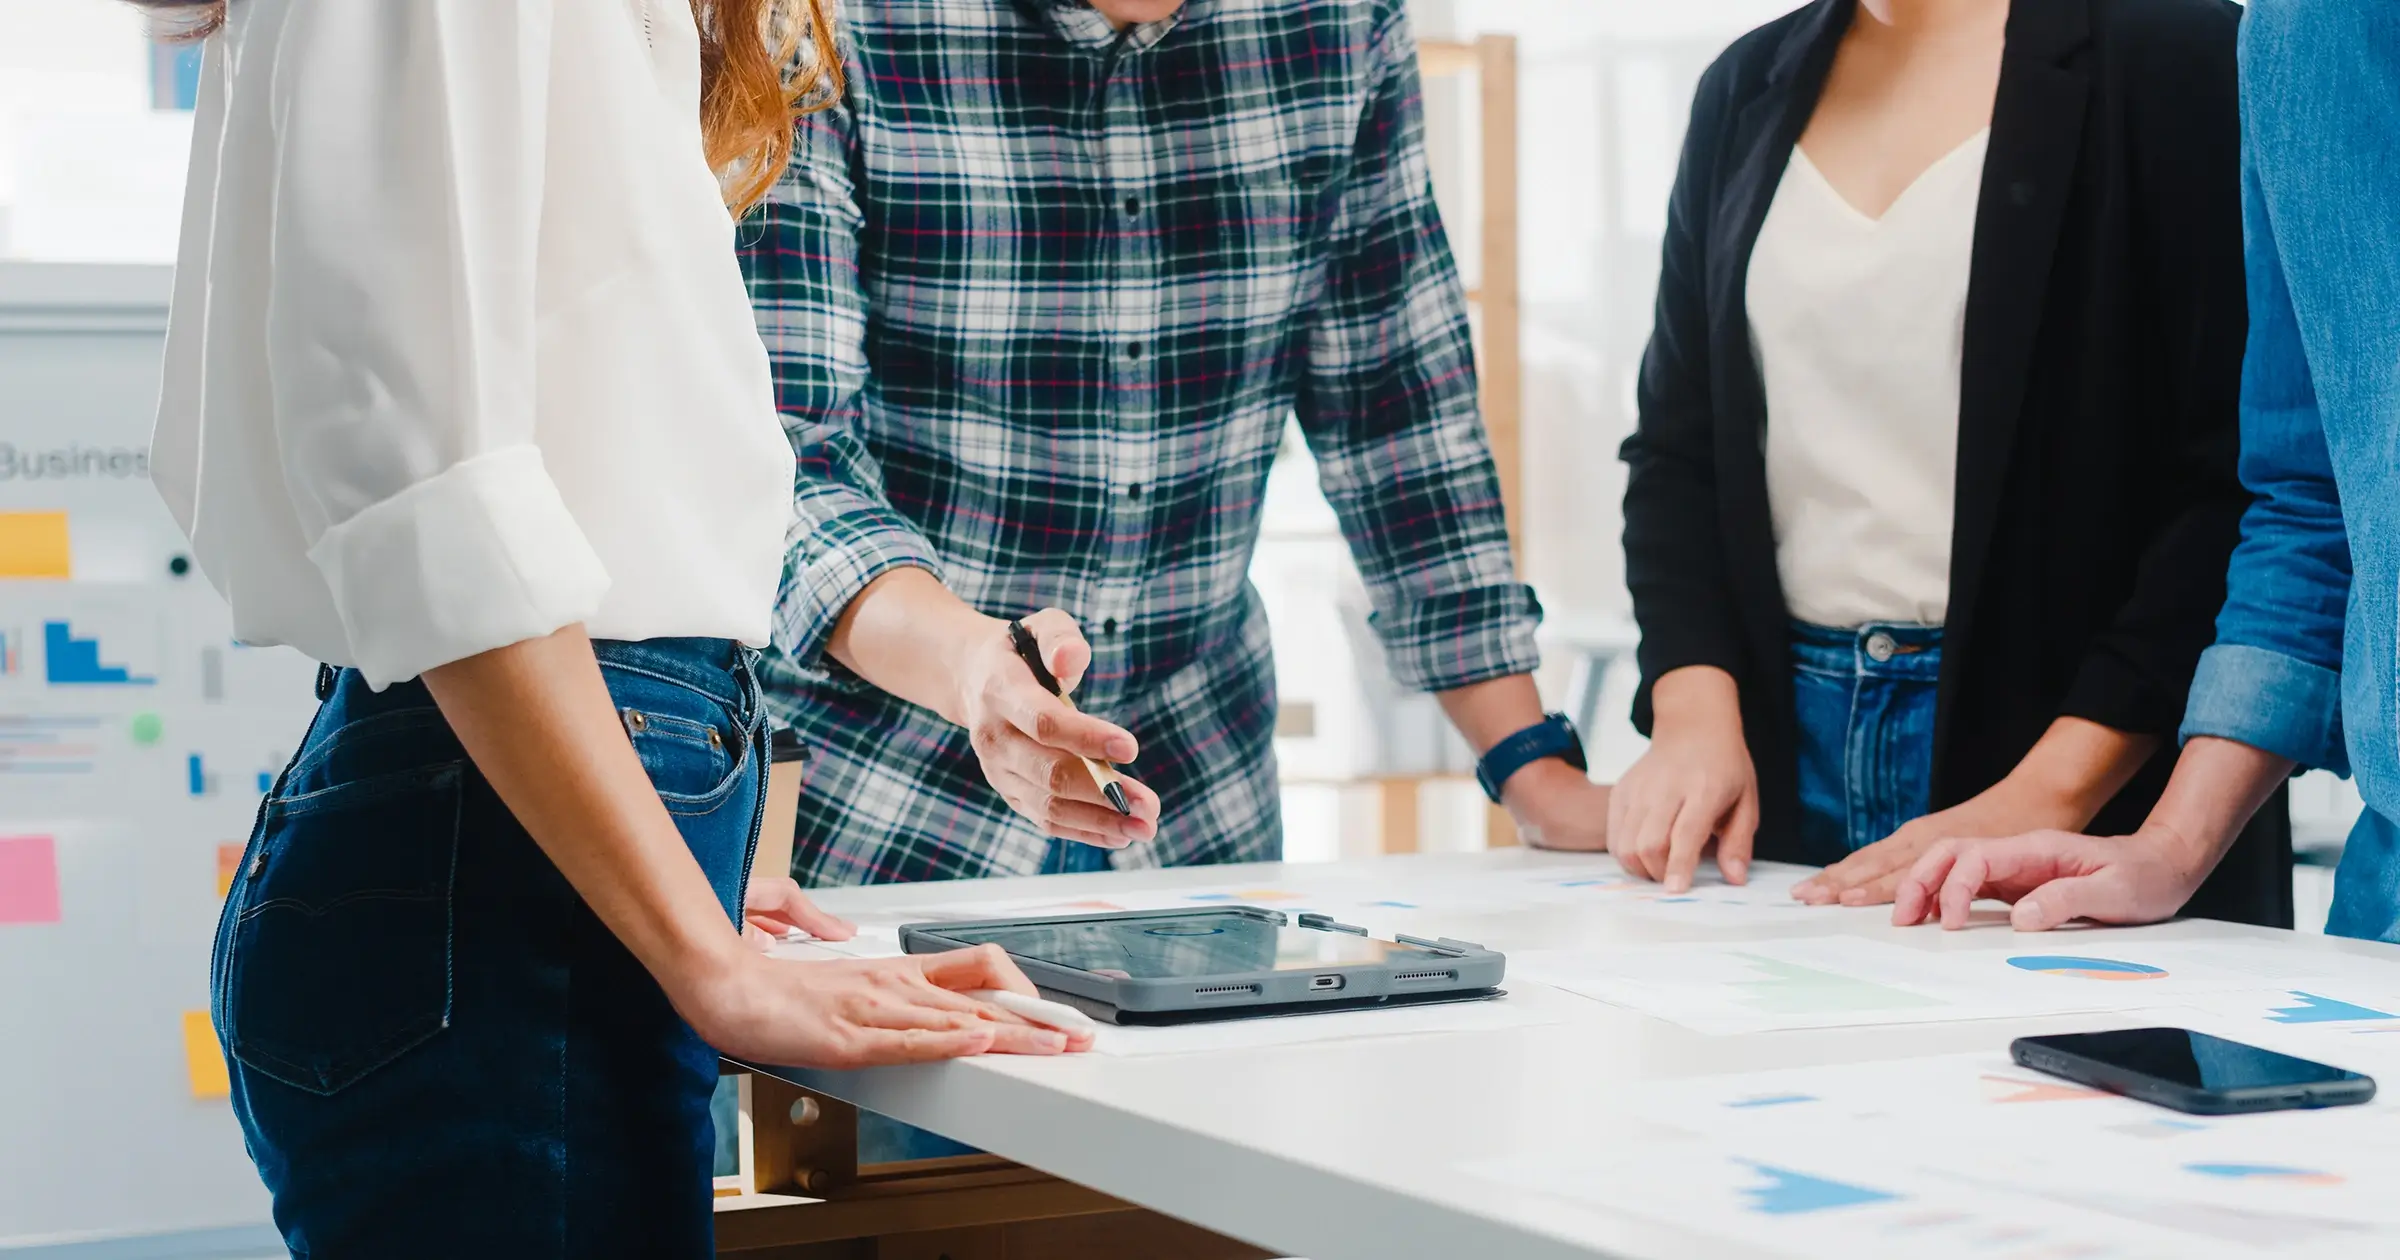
774,906
1557,806
867,1012
1029,741
1870,876
2052,877
1694,785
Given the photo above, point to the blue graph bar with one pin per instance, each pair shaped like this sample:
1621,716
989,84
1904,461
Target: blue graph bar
2323,1010
1790,1193
266,783
199,776
71,661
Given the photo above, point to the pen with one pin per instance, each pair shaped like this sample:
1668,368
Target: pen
1041,1011
1103,773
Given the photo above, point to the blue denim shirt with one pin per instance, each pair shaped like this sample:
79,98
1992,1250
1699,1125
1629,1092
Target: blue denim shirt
2305,662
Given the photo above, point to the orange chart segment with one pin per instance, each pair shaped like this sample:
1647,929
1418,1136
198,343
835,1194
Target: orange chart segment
2014,1089
2082,968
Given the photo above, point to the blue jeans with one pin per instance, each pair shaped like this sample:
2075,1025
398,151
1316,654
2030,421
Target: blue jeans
436,1047
1865,700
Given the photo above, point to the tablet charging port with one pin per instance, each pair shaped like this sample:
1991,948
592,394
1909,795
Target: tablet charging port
1324,982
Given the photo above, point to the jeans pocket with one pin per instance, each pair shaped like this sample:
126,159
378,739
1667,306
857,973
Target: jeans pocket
695,748
339,960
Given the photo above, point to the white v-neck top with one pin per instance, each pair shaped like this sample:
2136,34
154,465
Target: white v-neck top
1858,325
460,353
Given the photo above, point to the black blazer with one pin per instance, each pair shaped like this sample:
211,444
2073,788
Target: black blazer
2097,499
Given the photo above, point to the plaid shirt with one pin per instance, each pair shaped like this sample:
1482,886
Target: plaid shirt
1040,297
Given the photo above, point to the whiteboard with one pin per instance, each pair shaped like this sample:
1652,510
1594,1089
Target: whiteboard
135,741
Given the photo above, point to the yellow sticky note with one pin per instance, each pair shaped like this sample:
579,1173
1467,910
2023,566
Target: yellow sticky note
34,545
205,1059
229,864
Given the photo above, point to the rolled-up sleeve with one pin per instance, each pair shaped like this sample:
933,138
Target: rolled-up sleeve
403,328
1388,406
2273,680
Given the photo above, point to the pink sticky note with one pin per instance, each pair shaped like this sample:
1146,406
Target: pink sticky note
28,879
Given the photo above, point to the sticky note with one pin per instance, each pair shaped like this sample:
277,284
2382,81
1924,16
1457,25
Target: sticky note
34,545
28,879
229,864
204,1057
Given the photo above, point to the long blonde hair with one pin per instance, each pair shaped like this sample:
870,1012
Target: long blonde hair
763,63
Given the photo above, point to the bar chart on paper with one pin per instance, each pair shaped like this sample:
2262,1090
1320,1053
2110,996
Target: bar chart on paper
1807,982
1792,1201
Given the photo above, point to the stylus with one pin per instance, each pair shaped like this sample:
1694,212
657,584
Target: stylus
1104,775
1041,1011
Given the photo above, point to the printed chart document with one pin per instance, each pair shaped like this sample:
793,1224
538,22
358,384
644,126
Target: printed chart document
1974,1138
1973,1155
1834,982
1791,1199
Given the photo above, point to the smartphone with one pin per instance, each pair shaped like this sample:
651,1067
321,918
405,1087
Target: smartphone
2192,1071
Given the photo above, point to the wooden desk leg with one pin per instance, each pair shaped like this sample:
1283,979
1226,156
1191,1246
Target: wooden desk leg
795,1142
1396,800
974,1207
1499,828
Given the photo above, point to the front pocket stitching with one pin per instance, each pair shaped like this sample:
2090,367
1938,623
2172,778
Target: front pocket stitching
668,726
712,800
732,705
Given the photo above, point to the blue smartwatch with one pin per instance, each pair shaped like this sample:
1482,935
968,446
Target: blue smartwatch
1553,736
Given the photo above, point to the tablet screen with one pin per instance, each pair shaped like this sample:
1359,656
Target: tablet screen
1212,944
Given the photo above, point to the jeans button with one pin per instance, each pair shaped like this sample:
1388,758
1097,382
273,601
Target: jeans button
1880,647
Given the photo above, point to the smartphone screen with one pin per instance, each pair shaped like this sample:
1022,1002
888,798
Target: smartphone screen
2194,1060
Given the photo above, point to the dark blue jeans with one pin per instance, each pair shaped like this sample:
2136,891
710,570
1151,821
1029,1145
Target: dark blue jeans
1865,700
436,1048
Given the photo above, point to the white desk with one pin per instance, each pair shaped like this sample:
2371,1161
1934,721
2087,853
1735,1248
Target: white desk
1346,1150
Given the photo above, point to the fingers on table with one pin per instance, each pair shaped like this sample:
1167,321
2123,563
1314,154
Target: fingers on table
1735,839
778,902
1687,839
963,971
1913,899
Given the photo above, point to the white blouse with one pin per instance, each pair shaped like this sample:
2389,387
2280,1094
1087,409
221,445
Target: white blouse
1859,326
460,353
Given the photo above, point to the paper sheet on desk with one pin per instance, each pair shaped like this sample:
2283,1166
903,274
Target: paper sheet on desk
1845,981
1828,1198
1853,1149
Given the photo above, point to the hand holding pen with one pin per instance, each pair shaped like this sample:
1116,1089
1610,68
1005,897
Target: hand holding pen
1035,746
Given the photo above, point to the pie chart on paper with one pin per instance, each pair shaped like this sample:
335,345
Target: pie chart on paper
2087,968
